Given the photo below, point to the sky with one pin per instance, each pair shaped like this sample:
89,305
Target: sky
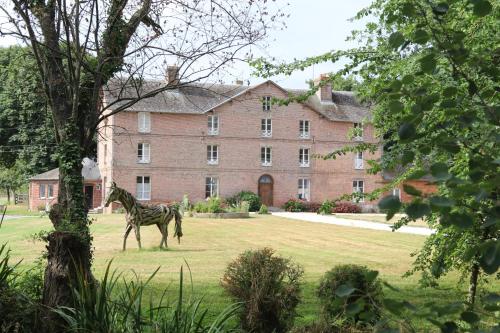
314,27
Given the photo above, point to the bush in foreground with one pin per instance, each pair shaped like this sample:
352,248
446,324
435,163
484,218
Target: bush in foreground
269,287
350,294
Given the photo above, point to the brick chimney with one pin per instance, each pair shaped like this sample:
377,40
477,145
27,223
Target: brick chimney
325,91
238,82
172,75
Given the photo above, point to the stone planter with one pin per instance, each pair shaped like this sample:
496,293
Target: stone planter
222,215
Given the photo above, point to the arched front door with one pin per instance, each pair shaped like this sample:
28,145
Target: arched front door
266,190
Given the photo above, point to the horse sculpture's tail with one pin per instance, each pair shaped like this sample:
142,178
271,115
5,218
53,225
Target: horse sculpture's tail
178,224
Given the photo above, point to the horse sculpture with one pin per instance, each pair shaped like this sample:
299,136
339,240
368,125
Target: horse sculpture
141,215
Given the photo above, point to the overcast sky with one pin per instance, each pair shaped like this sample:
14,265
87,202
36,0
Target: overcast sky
314,27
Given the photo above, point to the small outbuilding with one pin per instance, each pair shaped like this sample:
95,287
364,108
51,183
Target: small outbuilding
44,188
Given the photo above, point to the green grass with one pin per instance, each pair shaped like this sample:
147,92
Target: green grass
18,210
209,245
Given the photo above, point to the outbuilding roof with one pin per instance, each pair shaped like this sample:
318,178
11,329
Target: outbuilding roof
90,171
201,98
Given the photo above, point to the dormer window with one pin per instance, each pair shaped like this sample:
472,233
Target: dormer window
266,103
358,132
144,122
266,128
213,125
304,129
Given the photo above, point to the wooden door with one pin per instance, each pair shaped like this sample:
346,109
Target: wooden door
266,190
89,196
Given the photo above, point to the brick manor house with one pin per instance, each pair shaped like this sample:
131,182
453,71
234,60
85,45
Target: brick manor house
213,139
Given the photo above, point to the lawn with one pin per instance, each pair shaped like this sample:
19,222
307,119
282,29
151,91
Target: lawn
209,245
18,210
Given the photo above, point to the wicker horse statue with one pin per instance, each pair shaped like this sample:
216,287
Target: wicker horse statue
142,215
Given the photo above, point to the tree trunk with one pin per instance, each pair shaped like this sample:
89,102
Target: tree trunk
68,259
8,195
69,246
474,277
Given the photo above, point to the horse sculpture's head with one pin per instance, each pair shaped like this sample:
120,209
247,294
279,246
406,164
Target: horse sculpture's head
112,194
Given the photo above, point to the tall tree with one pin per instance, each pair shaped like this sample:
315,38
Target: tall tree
26,130
79,47
431,70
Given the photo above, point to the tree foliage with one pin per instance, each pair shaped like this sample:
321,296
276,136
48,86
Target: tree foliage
431,70
26,130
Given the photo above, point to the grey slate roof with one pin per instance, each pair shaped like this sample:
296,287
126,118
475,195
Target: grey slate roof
344,106
90,171
201,98
192,98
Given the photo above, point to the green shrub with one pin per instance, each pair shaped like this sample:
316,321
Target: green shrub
263,209
326,207
294,205
350,294
248,196
269,288
241,207
211,205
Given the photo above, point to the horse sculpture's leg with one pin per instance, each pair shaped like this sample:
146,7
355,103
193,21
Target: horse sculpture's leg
162,234
128,228
138,235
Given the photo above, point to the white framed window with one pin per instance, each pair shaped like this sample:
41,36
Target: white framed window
304,157
212,154
143,188
266,103
358,132
358,160
358,186
211,187
397,193
41,191
144,121
50,191
143,152
266,156
304,129
304,189
213,125
266,127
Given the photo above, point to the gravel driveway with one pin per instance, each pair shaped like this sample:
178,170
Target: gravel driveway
331,219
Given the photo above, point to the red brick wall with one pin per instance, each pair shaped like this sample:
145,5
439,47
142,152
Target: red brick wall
178,152
34,193
423,186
